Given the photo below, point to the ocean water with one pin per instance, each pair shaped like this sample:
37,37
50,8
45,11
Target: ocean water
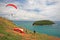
52,30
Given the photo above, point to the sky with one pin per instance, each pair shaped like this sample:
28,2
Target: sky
31,10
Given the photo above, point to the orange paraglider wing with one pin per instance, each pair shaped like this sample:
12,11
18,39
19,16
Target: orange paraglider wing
12,5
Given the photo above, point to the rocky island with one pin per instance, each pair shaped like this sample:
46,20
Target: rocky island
43,22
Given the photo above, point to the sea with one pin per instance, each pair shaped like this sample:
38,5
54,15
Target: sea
52,30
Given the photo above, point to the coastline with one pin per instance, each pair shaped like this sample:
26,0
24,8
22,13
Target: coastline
7,32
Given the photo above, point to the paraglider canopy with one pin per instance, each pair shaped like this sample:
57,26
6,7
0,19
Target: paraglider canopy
13,5
19,30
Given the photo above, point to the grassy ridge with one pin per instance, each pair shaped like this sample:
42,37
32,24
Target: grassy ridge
6,30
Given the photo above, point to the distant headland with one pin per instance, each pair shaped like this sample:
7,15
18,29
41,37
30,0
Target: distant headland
43,22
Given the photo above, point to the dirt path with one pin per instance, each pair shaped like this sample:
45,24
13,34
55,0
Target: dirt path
29,37
32,36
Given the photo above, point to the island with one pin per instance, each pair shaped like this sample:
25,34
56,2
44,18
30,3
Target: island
43,22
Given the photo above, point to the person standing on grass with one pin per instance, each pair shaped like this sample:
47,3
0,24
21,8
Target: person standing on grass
34,31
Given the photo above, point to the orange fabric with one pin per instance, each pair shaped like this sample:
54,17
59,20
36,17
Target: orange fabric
18,30
12,5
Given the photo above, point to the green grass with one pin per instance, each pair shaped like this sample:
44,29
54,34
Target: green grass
8,25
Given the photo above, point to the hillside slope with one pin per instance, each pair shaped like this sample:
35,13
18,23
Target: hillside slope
6,30
7,33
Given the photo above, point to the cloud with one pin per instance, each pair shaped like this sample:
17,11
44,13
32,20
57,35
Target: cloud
50,2
31,10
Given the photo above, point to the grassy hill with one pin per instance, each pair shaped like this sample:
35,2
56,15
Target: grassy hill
6,30
7,33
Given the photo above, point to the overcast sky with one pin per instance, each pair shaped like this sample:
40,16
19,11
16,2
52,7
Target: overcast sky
31,10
